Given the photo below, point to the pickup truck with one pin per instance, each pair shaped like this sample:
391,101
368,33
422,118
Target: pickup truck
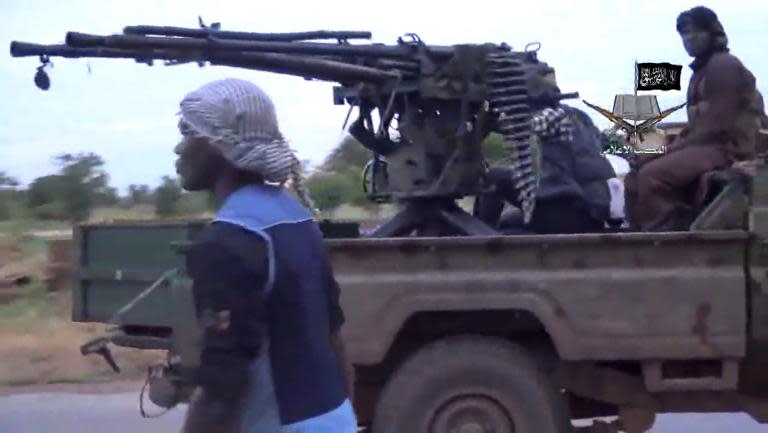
523,333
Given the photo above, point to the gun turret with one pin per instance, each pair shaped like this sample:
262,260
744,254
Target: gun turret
435,104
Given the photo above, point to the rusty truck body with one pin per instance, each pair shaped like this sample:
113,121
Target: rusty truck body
634,322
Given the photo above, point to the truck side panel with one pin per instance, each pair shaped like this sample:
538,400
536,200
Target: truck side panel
603,297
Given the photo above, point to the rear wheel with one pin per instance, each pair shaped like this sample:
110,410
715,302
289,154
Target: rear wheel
471,385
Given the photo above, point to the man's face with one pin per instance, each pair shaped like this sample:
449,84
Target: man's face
199,164
695,40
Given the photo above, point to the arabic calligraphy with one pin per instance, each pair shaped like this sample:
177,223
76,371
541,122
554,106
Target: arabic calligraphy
657,76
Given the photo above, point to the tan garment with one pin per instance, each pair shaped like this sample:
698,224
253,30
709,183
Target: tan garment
725,112
725,109
669,184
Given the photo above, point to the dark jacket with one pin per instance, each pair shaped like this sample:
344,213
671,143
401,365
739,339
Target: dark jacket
577,169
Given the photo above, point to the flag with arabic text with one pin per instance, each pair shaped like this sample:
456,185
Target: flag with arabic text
658,76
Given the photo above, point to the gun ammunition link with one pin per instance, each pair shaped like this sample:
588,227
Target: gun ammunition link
508,95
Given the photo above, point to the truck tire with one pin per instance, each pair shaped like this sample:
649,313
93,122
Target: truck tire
471,384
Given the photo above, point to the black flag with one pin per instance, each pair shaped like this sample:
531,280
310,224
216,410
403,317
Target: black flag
658,76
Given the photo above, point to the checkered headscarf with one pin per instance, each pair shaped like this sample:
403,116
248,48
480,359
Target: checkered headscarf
240,121
552,124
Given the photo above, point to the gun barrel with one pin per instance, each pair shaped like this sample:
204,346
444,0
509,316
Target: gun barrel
302,66
243,36
26,49
83,40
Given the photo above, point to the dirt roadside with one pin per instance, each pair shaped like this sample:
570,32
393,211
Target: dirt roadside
111,387
40,346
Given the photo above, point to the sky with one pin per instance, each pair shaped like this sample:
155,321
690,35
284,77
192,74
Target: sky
126,112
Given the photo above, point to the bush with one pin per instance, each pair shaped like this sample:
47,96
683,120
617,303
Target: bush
56,210
5,210
194,203
167,197
10,202
331,190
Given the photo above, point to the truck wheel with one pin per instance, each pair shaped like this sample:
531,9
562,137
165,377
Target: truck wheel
471,385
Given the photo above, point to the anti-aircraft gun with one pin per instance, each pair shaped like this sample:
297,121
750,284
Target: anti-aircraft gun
435,104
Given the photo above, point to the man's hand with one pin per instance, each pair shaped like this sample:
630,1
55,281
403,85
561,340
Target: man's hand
745,168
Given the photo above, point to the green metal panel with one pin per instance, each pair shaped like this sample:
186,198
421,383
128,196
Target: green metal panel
105,297
119,261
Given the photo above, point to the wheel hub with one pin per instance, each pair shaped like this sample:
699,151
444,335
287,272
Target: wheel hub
472,415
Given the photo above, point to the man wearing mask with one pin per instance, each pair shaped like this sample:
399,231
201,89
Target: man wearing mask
272,362
725,110
573,194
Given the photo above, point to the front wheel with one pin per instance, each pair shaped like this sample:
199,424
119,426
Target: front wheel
471,385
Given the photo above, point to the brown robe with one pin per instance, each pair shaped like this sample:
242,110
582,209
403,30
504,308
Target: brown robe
725,111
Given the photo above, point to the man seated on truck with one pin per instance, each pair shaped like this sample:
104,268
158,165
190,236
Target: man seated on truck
573,194
271,357
724,115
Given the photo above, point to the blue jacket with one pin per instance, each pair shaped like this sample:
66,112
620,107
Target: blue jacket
263,260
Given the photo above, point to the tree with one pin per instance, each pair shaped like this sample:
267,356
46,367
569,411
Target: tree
349,153
167,197
8,182
327,190
87,169
71,194
106,197
139,194
195,203
7,194
331,190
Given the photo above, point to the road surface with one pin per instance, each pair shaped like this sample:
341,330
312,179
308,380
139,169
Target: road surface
64,412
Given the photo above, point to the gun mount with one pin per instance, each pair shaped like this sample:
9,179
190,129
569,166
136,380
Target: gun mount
435,105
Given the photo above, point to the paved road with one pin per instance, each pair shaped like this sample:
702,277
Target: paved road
81,413
58,412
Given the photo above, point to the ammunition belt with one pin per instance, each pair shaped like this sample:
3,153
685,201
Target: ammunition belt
508,99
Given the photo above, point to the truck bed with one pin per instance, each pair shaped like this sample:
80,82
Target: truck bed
613,296
620,296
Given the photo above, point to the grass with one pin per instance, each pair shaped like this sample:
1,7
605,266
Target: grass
141,212
36,304
20,226
39,344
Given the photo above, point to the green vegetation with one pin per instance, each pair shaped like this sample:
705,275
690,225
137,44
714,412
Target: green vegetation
338,182
167,197
79,191
35,304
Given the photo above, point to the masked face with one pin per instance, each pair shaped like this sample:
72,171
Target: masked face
696,41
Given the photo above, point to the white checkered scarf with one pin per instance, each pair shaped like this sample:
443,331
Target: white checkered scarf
553,124
240,121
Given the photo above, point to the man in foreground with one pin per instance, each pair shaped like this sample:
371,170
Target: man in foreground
725,110
271,363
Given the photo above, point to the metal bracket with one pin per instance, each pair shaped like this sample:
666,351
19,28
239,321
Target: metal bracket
655,382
